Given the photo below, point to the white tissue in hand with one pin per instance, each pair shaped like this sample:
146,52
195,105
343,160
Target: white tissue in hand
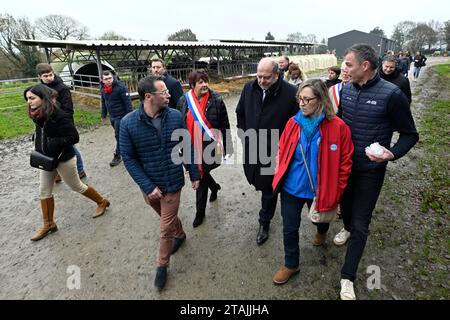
375,148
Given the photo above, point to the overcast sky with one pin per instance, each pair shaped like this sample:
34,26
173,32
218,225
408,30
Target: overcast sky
233,19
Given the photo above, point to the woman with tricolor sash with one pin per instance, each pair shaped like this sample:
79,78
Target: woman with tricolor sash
207,122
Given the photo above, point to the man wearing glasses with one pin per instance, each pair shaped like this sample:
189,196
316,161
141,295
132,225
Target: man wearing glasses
147,149
116,102
264,108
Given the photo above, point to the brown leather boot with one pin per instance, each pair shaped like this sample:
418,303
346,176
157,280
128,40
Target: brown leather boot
284,274
319,239
102,203
48,207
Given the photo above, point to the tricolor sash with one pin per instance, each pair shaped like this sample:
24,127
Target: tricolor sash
335,94
203,126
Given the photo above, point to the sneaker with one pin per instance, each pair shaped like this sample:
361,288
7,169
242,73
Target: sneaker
161,277
284,274
341,238
116,160
347,292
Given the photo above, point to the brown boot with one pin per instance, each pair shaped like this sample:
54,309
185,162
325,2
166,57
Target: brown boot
284,274
102,203
319,239
48,207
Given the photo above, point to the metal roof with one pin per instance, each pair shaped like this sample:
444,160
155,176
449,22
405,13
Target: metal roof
280,43
108,44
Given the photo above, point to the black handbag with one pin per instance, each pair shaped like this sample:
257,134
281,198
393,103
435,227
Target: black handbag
43,162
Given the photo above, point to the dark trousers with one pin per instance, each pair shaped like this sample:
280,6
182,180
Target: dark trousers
357,204
201,195
268,206
291,211
115,122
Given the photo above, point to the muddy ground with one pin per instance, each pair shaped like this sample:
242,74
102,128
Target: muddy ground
117,253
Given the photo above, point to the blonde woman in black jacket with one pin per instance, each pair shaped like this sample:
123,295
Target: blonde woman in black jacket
55,136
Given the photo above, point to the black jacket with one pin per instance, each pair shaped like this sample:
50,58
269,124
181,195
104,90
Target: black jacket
217,115
373,112
252,113
118,102
64,96
175,90
399,80
56,135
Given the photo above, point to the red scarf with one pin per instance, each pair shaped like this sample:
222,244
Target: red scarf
195,130
108,89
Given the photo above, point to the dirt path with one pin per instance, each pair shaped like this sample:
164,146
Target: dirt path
116,253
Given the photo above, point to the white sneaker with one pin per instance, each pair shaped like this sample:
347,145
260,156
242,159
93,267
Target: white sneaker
347,292
341,238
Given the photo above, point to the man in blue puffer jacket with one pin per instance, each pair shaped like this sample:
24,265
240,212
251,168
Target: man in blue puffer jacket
148,148
116,102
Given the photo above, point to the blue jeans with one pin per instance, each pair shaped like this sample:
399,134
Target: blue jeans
416,72
80,166
115,122
291,209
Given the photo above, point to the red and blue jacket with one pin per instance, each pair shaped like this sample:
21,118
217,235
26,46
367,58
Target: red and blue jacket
334,161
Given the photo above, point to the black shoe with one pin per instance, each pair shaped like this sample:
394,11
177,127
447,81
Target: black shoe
198,219
213,196
263,235
161,277
177,244
116,160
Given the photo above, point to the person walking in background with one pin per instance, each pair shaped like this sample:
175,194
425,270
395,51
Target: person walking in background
147,146
318,136
264,108
335,91
295,75
283,66
389,72
373,108
203,110
55,135
333,76
47,76
419,62
172,84
115,101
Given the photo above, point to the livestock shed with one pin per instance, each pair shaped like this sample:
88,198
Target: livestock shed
345,40
130,60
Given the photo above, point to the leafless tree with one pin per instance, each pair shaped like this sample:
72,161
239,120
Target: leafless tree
24,57
402,33
61,27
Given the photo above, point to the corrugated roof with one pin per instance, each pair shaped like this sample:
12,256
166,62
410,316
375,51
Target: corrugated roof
94,44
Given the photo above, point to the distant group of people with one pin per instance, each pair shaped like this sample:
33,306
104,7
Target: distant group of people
314,132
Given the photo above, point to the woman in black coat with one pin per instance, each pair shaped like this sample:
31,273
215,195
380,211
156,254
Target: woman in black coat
55,136
213,113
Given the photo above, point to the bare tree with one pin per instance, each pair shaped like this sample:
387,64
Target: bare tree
311,38
420,36
24,57
402,33
61,27
295,37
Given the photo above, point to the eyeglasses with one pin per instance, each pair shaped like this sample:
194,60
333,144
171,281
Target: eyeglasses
164,92
305,100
